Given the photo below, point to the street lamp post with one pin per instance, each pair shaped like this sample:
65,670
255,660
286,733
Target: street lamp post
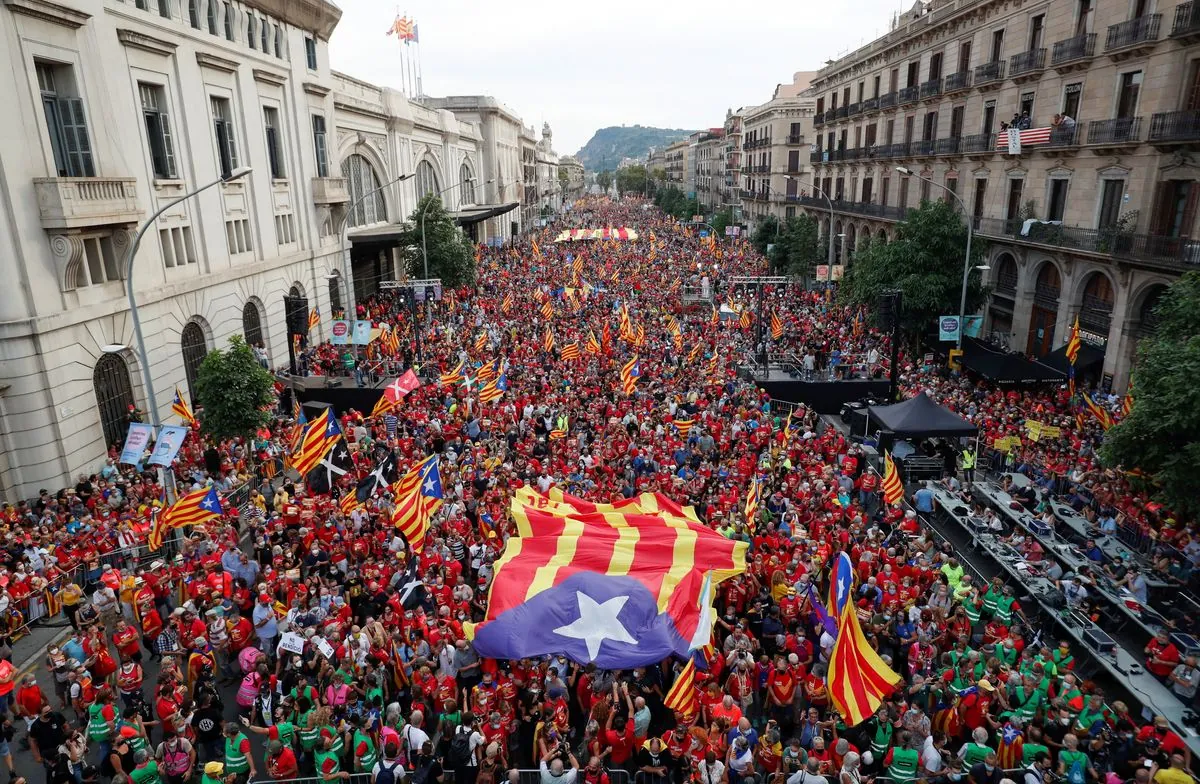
829,238
425,207
344,230
962,302
143,356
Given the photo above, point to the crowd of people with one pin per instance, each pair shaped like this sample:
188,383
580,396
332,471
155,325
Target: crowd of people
341,664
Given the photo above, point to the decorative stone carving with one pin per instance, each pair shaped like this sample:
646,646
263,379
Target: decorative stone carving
67,250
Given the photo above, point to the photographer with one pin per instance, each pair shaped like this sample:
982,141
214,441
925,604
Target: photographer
1038,771
554,772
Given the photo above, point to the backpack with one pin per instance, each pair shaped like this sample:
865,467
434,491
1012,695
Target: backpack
1076,773
487,773
387,773
421,774
460,748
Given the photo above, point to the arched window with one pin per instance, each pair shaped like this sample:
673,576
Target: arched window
114,396
427,181
194,348
335,294
361,175
252,324
466,185
295,291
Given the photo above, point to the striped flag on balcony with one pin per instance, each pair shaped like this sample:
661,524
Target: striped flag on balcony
1025,138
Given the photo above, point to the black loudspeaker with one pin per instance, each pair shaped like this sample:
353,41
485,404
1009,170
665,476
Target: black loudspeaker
887,438
513,227
888,305
296,315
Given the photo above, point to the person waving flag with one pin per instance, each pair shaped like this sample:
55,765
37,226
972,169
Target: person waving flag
179,406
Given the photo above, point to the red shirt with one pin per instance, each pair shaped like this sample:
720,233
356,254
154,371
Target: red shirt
622,743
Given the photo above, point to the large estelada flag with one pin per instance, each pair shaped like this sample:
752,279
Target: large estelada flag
857,680
618,585
319,437
198,506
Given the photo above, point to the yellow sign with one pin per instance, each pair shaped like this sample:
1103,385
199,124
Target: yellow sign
1007,443
1037,430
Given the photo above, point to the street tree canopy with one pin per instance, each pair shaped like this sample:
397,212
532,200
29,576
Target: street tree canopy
451,256
925,262
1161,435
234,393
632,179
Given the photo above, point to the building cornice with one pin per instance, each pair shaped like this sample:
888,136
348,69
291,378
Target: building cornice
318,16
146,43
319,90
207,60
49,11
269,77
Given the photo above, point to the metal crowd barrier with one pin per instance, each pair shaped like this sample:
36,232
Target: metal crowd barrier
355,778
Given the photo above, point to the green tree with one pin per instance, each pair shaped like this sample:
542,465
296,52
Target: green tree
451,257
632,179
764,233
604,179
721,220
797,248
234,392
1161,435
924,262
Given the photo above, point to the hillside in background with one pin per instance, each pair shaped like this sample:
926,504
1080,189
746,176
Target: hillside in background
608,146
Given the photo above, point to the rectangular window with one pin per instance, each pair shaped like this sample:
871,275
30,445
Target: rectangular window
929,131
1037,30
867,190
877,80
158,130
989,117
956,121
264,31
908,129
1112,194
1016,188
1127,99
1026,106
925,186
861,87
251,38
964,57
278,41
274,145
1056,204
1072,94
980,197
903,193
230,25
223,128
793,161
891,132
935,66
193,14
869,138
319,145
952,186
997,45
1083,17
212,16
66,121
894,82
142,5
914,73
164,9
884,187
310,52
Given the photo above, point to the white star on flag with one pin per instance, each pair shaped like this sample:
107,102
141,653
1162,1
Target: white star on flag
597,623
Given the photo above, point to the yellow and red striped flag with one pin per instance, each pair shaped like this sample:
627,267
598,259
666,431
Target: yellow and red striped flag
694,354
198,506
453,377
570,352
577,265
494,389
314,318
1127,401
744,320
418,497
179,406
547,309
1073,343
481,342
682,697
750,511
507,304
857,679
711,370
893,488
776,327
684,426
548,340
592,346
537,251
317,440
1099,412
716,317
630,373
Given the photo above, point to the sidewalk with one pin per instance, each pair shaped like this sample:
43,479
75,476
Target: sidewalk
29,650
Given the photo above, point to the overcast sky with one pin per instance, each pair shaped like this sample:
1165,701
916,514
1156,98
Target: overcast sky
586,65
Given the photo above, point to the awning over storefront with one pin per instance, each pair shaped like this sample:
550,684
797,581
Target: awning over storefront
388,233
1006,368
481,212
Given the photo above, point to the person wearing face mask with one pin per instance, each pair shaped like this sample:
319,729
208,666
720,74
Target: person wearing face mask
1038,771
987,771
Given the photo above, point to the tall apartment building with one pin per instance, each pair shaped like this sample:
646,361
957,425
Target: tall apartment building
115,108
573,183
776,139
733,162
709,160
679,162
1091,214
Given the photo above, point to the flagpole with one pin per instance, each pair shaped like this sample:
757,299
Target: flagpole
420,71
